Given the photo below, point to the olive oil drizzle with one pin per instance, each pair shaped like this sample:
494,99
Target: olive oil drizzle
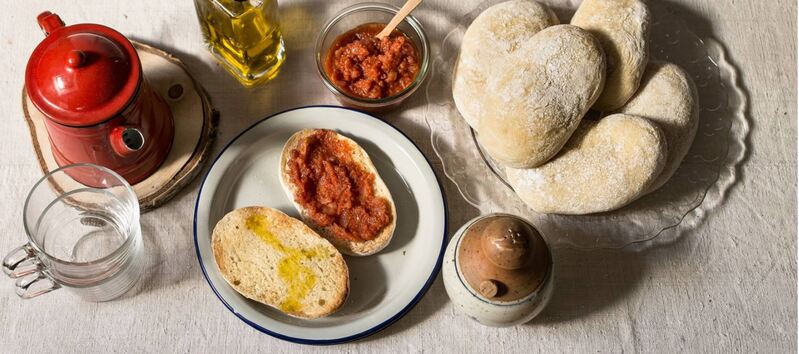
298,277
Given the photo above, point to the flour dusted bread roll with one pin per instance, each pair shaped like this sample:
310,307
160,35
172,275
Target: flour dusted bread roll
338,172
622,26
604,166
496,32
668,97
274,259
536,99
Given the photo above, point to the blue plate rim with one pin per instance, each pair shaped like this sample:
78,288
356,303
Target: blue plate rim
383,325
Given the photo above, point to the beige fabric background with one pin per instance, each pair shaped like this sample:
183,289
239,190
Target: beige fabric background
727,284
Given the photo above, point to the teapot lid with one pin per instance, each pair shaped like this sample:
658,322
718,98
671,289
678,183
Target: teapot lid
83,74
504,258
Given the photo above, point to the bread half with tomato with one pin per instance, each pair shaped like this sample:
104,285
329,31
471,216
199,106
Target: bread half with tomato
338,192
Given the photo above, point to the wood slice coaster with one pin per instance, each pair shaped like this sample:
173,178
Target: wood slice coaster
195,128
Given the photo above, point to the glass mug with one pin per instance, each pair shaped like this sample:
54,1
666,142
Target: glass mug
85,238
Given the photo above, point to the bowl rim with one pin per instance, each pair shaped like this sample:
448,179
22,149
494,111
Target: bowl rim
424,51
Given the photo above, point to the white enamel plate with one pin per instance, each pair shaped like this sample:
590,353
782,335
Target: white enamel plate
383,287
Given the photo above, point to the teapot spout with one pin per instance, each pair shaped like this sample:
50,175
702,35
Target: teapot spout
126,140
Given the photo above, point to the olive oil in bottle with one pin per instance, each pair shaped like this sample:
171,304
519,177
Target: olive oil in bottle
245,36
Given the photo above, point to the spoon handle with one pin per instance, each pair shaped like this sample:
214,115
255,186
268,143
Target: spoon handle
403,12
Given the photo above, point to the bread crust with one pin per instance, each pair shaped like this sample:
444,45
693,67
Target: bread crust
534,105
496,32
622,27
353,248
606,165
668,97
251,265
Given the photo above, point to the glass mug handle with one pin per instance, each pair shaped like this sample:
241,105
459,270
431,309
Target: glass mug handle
21,264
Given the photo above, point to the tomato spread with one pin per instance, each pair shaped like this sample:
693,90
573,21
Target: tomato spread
364,66
336,191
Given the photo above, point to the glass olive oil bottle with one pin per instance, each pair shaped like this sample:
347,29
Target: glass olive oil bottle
245,36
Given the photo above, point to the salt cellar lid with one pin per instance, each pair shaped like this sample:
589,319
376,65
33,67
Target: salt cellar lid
503,258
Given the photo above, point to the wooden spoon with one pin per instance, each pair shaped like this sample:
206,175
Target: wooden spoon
403,12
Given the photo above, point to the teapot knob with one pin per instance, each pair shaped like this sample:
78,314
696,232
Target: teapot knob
76,59
49,22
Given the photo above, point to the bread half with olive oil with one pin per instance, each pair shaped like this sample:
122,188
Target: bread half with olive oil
272,258
361,158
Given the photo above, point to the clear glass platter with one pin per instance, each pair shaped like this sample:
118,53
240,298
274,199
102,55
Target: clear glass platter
697,187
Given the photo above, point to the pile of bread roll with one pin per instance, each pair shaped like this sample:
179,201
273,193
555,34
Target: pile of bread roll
525,83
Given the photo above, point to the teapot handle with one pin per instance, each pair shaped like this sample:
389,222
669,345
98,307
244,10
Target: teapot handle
49,22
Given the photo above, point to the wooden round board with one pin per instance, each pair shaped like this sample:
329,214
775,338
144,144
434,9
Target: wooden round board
195,127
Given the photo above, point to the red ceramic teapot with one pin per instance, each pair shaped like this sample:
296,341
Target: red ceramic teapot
87,81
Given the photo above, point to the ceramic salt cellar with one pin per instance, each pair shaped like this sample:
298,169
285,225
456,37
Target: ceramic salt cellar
498,270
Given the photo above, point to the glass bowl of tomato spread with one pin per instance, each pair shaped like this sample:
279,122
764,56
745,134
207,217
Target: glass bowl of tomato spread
365,72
